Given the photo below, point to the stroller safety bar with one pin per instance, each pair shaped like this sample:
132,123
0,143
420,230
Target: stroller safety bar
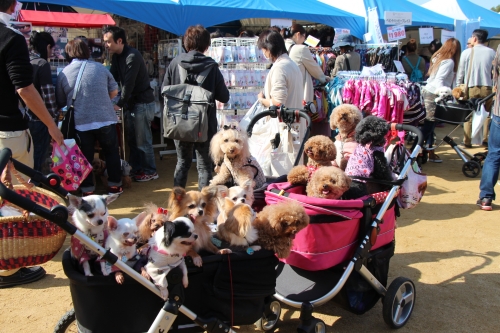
59,215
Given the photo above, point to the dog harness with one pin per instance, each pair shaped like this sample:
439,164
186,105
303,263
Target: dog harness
83,253
159,265
259,177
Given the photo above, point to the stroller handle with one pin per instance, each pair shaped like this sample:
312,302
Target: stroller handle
58,214
484,100
283,114
409,128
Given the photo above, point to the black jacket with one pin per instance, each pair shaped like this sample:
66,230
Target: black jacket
129,70
15,72
195,62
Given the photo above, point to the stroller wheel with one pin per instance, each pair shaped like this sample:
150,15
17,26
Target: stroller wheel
320,326
480,156
67,323
270,316
399,302
471,169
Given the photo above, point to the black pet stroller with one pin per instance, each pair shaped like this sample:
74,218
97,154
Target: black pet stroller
459,113
344,253
227,290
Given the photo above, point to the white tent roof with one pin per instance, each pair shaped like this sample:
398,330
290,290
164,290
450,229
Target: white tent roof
448,8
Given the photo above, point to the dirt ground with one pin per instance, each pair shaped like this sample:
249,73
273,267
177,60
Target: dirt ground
446,245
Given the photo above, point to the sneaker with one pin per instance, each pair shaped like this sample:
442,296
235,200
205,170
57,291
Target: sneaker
435,158
22,276
146,178
484,203
115,190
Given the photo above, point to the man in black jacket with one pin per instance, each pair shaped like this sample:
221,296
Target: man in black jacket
137,100
196,42
16,80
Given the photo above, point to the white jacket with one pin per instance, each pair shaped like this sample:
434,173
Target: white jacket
443,77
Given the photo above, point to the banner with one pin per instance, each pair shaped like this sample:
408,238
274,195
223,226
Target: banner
396,32
397,18
374,26
445,35
426,35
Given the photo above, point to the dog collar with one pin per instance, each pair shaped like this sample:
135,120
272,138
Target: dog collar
165,253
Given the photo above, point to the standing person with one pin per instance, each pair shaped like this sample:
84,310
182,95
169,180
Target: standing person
137,100
300,54
16,80
348,60
41,44
491,165
444,64
413,64
477,61
196,41
95,117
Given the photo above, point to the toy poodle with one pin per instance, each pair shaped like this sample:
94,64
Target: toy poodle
368,160
278,224
234,165
345,118
443,93
320,151
328,183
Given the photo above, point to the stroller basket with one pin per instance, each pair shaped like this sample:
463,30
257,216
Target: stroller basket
452,113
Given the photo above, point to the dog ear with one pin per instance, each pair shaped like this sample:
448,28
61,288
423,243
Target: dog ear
74,200
228,204
109,198
169,229
178,193
140,218
209,191
248,185
222,191
333,123
112,223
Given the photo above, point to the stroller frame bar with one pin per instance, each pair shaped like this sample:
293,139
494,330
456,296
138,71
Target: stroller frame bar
59,215
365,246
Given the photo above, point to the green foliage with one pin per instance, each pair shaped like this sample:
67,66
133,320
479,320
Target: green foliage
496,9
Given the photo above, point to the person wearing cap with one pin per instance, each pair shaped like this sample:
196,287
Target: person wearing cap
348,60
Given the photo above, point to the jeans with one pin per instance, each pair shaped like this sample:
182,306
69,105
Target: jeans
140,138
185,159
108,141
492,163
41,141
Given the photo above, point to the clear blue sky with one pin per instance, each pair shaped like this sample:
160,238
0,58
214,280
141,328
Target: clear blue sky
485,3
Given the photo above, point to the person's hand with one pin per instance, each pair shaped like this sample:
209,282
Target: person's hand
260,95
56,135
116,107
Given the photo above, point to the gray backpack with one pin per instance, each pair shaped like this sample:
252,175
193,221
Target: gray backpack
185,116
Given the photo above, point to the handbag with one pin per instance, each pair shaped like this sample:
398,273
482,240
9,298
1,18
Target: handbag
70,164
68,122
465,86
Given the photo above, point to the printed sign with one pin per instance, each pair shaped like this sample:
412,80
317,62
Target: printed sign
396,32
426,35
397,18
311,41
23,27
399,66
445,35
281,23
374,26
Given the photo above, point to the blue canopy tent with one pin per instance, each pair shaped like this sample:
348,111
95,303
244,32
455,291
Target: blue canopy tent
420,16
176,15
466,10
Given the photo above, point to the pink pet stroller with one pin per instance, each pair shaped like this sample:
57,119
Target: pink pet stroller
344,254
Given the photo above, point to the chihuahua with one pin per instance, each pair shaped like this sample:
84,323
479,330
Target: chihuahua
89,215
168,247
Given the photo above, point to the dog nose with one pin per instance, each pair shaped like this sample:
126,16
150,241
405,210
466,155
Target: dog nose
200,212
231,151
242,200
100,222
325,186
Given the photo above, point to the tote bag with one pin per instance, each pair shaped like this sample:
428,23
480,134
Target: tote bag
70,164
282,161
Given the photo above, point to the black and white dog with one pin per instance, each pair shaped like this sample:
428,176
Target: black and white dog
89,215
168,247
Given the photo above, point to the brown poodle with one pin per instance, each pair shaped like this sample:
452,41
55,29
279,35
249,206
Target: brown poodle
278,224
234,165
201,208
345,117
155,218
328,183
320,151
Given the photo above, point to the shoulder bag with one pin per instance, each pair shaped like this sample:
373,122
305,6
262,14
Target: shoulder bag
68,122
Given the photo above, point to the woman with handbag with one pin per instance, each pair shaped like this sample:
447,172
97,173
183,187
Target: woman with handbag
300,54
87,88
444,64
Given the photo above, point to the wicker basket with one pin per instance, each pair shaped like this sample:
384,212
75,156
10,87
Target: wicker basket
33,240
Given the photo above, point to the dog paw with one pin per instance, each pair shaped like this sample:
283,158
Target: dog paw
256,247
164,294
225,251
197,261
185,281
119,277
90,274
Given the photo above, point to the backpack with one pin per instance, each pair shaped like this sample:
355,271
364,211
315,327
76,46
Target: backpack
416,74
413,188
185,115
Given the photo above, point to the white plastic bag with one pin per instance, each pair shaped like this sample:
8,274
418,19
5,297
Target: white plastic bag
283,159
413,188
256,108
478,119
260,142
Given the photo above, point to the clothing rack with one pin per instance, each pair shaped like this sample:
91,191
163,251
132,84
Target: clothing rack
389,77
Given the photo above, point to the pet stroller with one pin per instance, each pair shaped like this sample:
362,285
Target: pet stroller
344,254
459,113
227,290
